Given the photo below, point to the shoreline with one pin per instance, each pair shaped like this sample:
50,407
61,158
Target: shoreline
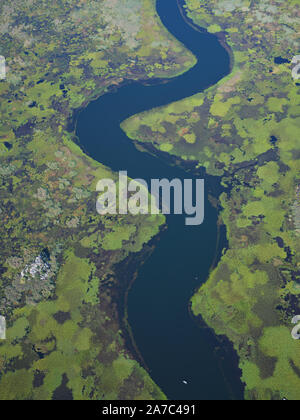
122,292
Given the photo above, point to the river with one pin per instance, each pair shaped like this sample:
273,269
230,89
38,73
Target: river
175,347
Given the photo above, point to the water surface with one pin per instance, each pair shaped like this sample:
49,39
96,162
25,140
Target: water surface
173,346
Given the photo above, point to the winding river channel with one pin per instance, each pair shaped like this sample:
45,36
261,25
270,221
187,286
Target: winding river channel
183,357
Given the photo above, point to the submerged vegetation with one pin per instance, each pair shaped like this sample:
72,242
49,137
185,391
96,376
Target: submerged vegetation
246,130
58,288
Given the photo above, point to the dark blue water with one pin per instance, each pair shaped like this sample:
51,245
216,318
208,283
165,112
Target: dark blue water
171,343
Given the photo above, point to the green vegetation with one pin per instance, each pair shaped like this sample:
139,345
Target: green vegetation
246,130
68,337
58,288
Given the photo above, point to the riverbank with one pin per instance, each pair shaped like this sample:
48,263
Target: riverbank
63,329
230,129
169,275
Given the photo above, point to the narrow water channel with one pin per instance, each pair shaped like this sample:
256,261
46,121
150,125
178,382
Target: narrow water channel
173,346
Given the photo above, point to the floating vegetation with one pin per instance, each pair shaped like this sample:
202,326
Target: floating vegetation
246,130
60,56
